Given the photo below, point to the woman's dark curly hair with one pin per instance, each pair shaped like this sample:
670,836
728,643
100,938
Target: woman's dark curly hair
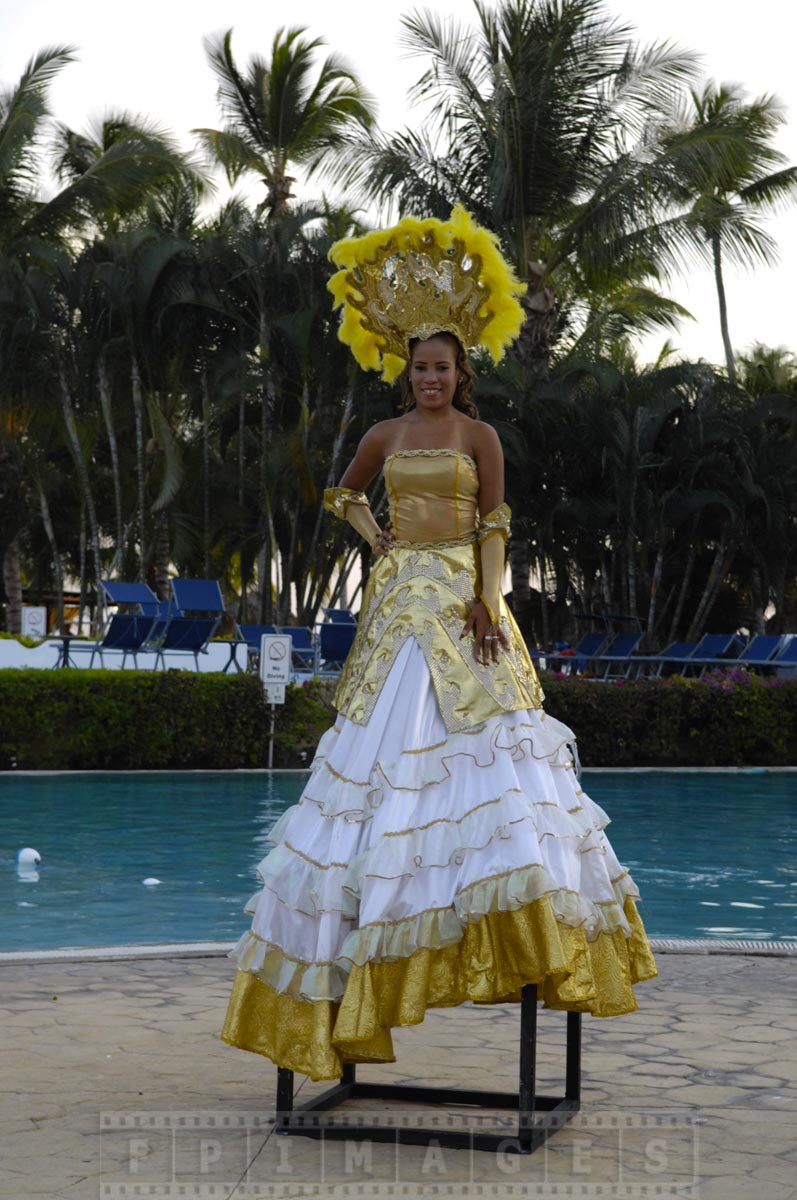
463,394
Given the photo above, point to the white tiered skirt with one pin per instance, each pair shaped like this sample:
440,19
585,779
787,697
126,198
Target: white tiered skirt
421,869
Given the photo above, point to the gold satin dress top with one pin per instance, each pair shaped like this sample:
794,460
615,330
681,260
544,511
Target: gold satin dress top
432,497
425,588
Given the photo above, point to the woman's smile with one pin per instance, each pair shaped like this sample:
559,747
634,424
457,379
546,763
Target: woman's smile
433,372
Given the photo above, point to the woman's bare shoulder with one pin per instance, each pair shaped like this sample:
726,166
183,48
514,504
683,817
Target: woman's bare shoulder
380,435
484,438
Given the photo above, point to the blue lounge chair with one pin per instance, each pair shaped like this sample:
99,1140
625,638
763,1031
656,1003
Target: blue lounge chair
334,644
194,617
132,593
579,660
125,631
198,596
340,616
251,634
616,661
676,652
760,650
714,650
304,648
787,657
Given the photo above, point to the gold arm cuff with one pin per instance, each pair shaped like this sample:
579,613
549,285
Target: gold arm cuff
336,499
497,521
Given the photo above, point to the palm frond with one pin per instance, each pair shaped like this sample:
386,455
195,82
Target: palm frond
233,153
779,188
22,110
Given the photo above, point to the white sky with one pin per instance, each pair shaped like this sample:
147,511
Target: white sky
147,57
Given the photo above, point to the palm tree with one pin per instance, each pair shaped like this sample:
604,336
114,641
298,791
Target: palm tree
277,115
764,370
156,167
728,193
541,125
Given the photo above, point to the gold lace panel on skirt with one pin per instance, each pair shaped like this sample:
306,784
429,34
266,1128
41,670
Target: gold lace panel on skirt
427,593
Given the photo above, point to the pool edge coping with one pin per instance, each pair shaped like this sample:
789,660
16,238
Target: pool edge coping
748,770
131,953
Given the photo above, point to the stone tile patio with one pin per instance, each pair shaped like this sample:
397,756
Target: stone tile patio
115,1085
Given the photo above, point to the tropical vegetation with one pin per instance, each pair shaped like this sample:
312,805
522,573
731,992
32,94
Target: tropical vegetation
185,721
174,398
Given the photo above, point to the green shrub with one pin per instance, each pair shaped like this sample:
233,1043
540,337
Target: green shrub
128,720
734,718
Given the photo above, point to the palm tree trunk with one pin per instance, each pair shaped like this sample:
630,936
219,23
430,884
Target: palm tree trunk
655,584
332,475
691,557
715,577
759,604
241,506
520,568
57,561
162,555
319,580
138,410
606,583
346,569
12,581
82,568
205,475
268,546
630,558
107,414
85,487
716,250
538,333
296,515
545,628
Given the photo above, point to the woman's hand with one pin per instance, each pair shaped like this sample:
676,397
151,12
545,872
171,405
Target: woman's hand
384,543
487,637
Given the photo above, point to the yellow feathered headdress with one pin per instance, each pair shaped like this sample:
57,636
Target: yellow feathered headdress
419,278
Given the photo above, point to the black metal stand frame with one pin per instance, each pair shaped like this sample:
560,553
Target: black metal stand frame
533,1129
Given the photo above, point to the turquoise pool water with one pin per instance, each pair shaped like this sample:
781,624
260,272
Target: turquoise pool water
713,854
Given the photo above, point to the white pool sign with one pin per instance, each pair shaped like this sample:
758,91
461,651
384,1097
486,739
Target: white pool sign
34,620
275,665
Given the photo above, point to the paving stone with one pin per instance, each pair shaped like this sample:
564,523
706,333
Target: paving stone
130,1037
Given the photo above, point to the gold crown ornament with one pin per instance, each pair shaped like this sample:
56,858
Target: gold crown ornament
419,278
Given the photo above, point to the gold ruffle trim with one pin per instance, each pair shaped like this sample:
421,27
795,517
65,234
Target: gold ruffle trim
492,961
336,499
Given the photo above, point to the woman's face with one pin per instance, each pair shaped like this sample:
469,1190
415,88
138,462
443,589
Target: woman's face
433,373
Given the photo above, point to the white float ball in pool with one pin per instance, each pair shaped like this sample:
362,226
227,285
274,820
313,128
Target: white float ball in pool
28,856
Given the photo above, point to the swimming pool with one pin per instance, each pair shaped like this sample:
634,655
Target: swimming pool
713,853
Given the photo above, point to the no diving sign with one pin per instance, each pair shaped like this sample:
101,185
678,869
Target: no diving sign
275,665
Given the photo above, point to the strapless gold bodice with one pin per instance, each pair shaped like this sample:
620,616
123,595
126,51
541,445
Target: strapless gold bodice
432,495
425,588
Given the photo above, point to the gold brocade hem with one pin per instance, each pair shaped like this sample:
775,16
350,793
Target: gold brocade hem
494,959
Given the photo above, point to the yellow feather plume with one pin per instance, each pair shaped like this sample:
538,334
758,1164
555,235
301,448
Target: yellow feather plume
420,277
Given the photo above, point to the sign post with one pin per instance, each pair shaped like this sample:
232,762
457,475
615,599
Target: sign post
275,671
